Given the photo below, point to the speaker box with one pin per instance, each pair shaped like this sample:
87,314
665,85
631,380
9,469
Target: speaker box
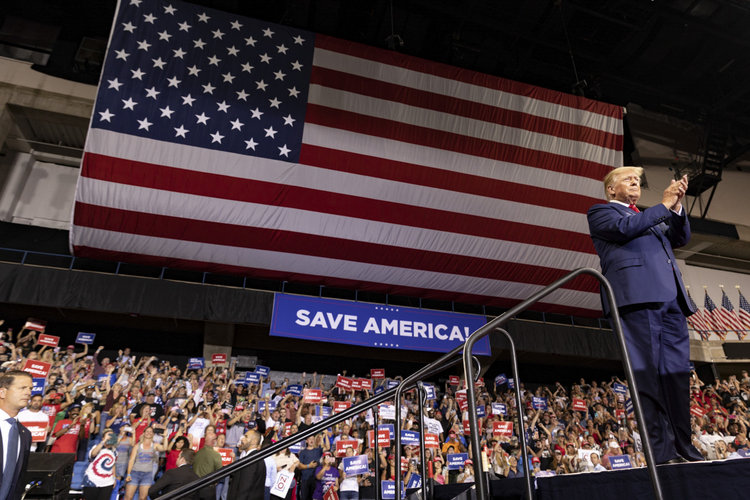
54,472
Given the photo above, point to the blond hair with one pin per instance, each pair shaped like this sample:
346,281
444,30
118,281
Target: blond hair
614,175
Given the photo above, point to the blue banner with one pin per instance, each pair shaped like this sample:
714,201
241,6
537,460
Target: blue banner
620,388
629,406
263,371
379,389
456,460
296,448
38,387
539,403
429,391
409,438
619,462
501,379
195,363
373,325
511,383
388,490
354,466
85,338
393,383
252,378
481,412
390,428
414,482
294,390
262,406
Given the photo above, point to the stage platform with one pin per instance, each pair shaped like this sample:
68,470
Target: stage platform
720,480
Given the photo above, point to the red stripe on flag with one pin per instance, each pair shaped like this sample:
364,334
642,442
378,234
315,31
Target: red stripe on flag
252,191
466,76
423,136
410,173
151,260
497,116
178,228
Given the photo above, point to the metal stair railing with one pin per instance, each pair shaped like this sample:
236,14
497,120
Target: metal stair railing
481,480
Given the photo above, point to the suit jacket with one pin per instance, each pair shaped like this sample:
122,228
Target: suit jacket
635,250
16,489
173,479
248,483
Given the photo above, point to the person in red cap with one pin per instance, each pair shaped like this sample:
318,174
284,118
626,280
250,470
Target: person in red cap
467,474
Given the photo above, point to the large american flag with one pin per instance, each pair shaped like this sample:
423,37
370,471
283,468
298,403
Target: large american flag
227,144
697,321
713,315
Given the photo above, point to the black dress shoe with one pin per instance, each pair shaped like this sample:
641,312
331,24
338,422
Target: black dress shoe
675,460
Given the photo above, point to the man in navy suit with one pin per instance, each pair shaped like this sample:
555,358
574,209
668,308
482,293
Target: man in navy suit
15,438
635,249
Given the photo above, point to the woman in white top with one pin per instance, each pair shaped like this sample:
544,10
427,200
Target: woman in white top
349,485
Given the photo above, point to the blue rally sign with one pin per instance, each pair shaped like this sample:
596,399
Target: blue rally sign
354,466
620,462
85,338
374,325
456,460
38,387
409,438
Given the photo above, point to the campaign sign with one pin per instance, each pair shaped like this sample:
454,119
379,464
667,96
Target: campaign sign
377,373
219,358
431,440
287,429
629,406
389,428
353,466
38,387
339,406
481,412
283,482
252,378
356,384
226,456
294,390
620,414
196,363
456,460
263,371
539,403
365,384
314,396
619,388
384,438
85,338
393,383
501,379
502,429
479,382
38,431
387,412
511,383
379,389
461,399
467,427
37,325
262,406
343,444
409,438
48,340
579,404
453,379
38,369
414,482
388,490
619,462
344,383
296,448
499,409
429,391
373,325
323,411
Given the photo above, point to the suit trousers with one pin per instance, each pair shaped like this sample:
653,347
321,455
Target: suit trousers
659,347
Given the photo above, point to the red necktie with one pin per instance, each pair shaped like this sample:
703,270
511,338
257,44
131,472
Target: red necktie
634,208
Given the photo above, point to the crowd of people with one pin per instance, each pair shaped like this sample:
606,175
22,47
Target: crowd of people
148,426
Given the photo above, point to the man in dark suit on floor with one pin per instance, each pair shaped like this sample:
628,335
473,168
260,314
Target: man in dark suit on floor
249,482
635,249
179,476
15,438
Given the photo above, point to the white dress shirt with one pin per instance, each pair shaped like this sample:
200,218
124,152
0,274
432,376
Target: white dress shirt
4,430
